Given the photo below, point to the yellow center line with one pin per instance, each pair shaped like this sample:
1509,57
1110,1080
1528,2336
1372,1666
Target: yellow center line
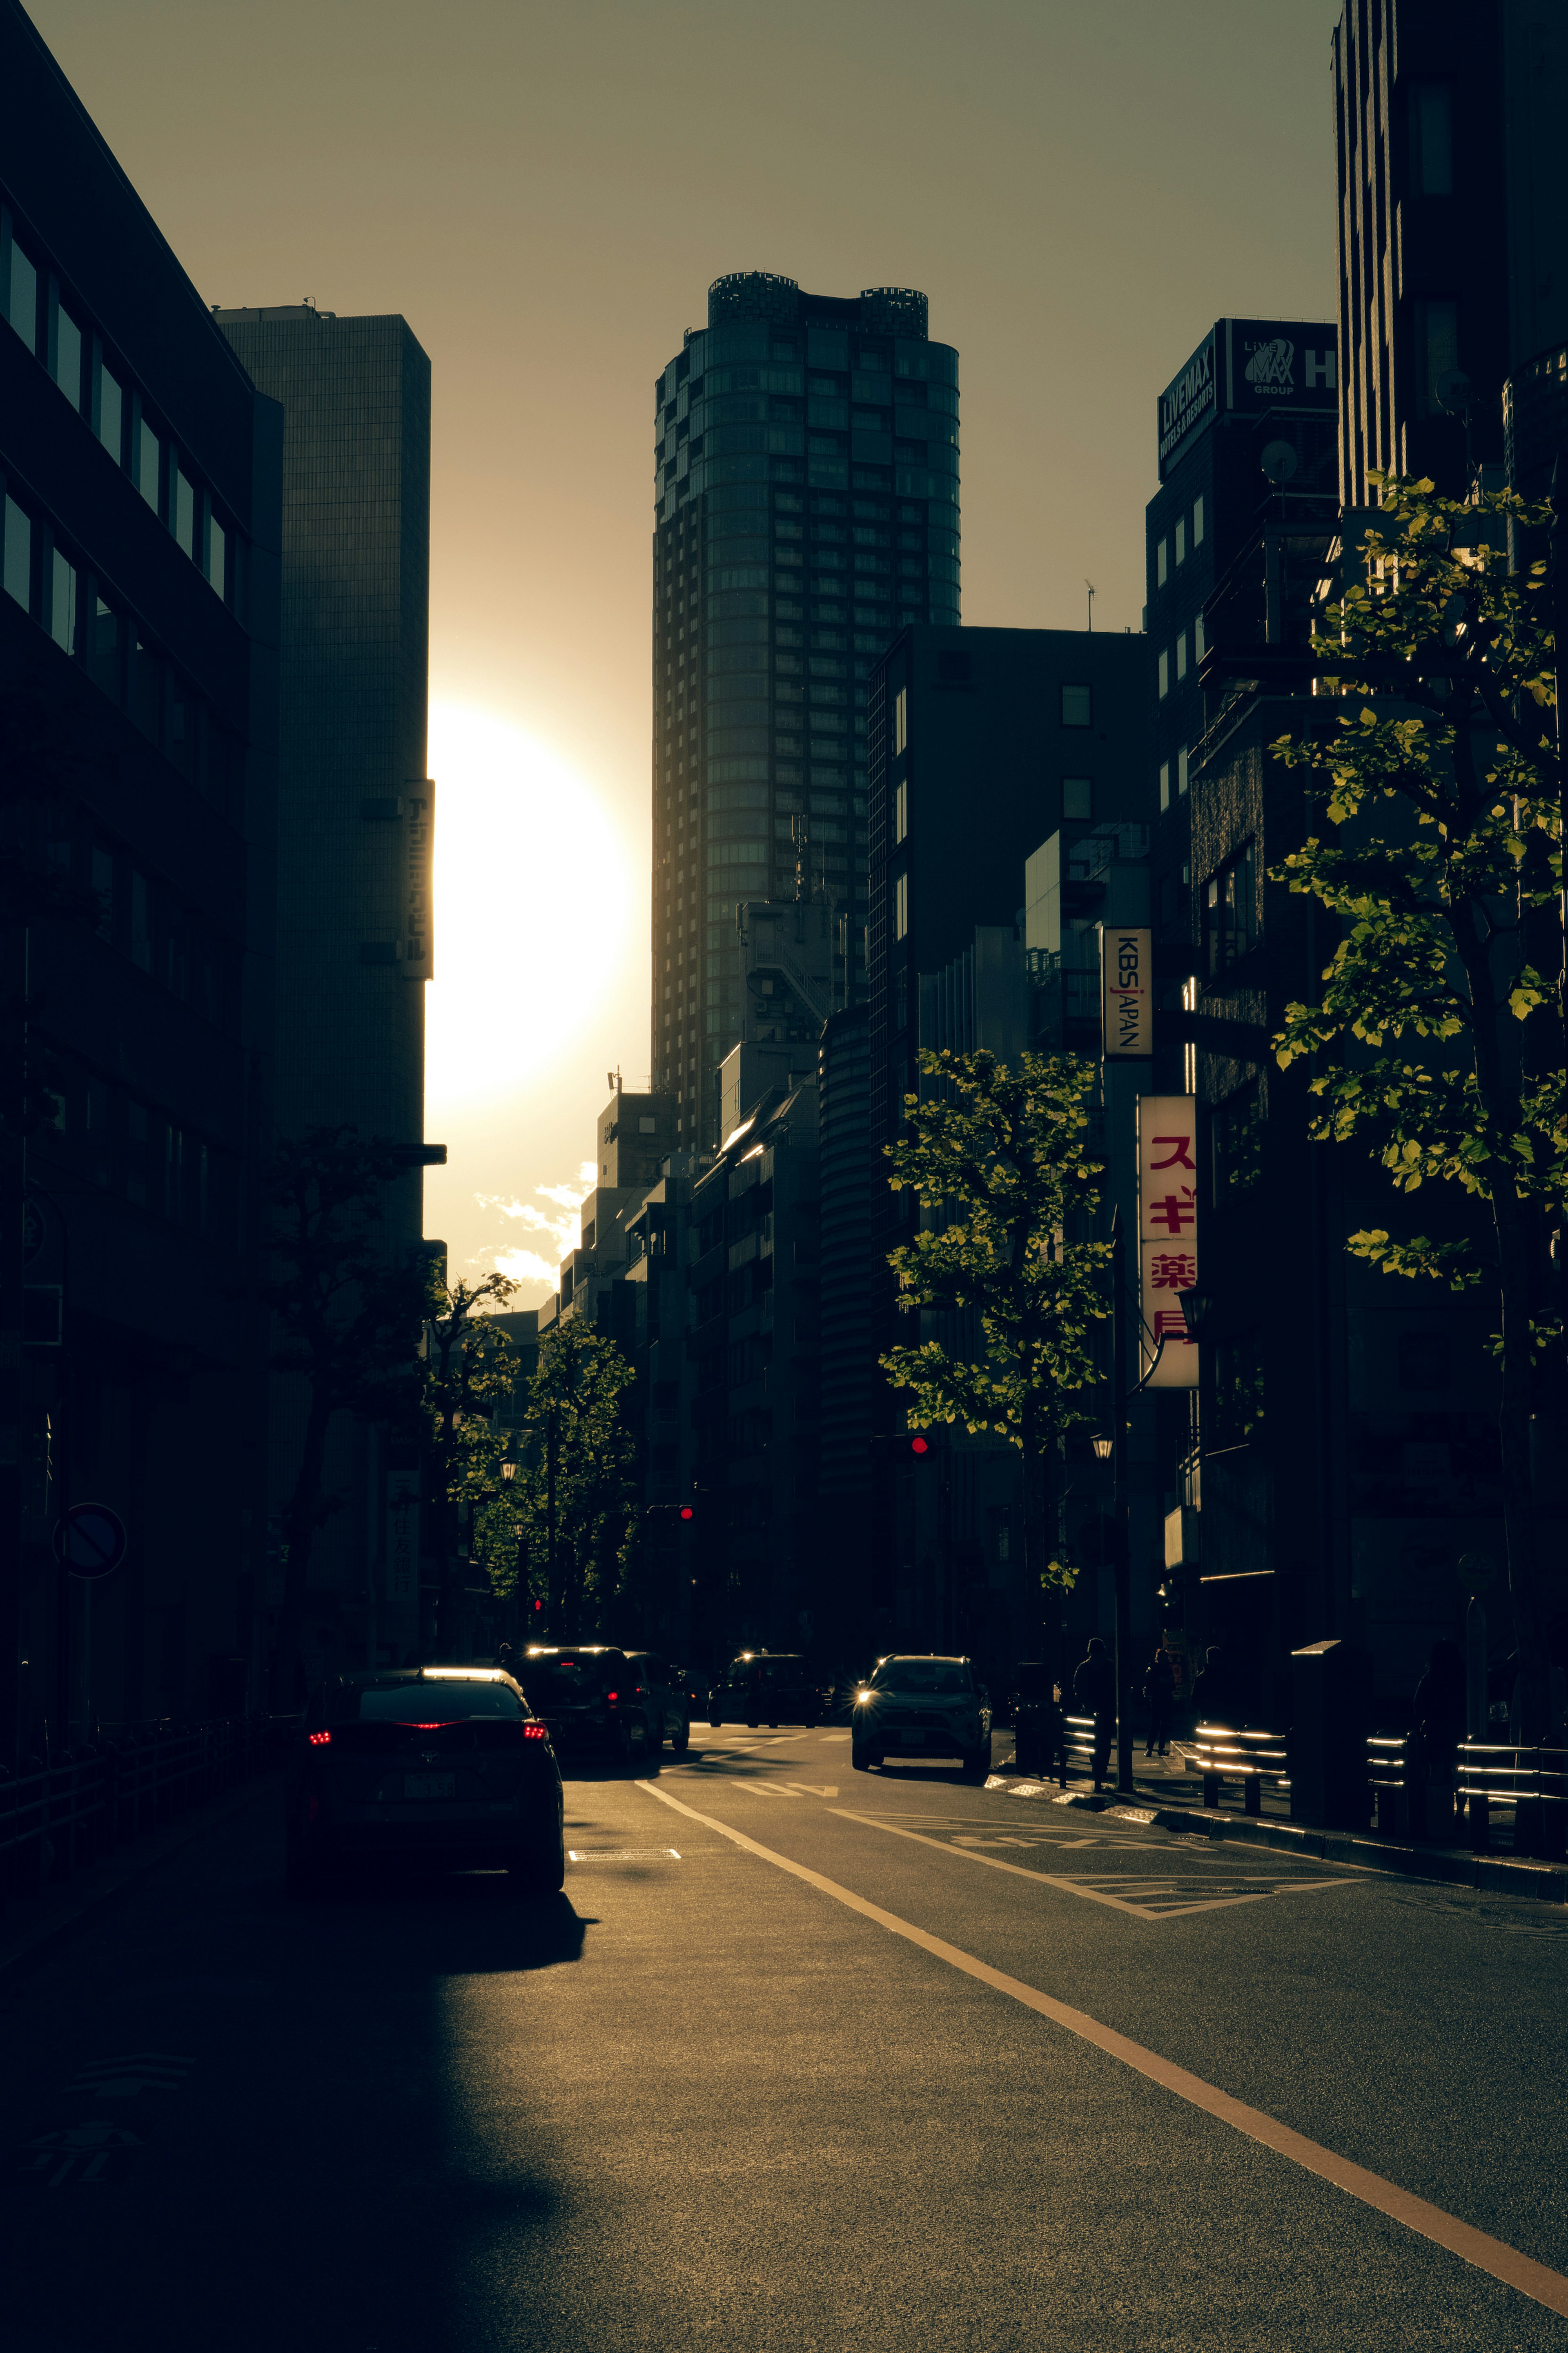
1536,2281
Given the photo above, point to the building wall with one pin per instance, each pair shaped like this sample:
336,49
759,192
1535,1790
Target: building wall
138,707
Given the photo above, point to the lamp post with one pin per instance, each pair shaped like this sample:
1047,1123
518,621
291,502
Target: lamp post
1114,1450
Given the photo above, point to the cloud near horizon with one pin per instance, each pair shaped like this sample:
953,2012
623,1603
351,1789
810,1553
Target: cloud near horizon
563,1228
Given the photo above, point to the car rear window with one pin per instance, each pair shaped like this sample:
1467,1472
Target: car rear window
436,1702
567,1679
939,1675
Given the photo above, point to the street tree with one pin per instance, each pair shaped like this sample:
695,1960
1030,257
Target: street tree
1437,1036
471,1369
575,1498
346,1321
1000,1161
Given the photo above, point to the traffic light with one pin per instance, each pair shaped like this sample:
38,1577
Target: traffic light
919,1446
687,1512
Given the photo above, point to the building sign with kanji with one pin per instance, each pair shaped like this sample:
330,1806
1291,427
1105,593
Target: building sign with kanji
1126,995
1167,1234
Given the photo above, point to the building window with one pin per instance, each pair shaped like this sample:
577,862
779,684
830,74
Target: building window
901,906
1161,562
1181,541
110,409
147,463
22,298
67,356
1230,919
62,602
1181,655
1077,707
1165,783
1197,522
1182,772
18,553
1436,350
902,812
1431,139
1238,1143
1200,642
183,502
1078,799
1165,675
901,720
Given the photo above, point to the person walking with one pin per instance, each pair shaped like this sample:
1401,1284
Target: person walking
1159,1694
1094,1688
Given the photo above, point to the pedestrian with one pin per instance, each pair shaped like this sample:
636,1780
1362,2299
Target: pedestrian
504,1655
1159,1692
1213,1698
1094,1688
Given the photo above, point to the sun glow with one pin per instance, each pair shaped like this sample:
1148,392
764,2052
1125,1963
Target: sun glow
531,894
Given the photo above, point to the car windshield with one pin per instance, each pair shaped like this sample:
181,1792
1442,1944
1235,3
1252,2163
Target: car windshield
572,1676
441,1700
945,1675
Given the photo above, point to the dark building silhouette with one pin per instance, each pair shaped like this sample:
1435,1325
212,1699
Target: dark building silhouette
355,844
138,629
983,743
806,507
1453,219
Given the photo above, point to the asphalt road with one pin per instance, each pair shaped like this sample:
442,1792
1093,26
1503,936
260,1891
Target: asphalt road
703,2099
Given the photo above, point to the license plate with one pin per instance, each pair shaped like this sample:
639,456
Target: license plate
430,1784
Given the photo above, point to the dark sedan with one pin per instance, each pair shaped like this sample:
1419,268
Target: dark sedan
443,1766
770,1687
597,1702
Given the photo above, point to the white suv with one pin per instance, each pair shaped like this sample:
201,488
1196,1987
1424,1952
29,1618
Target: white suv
922,1705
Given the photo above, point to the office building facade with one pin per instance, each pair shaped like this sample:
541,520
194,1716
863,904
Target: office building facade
355,838
139,628
806,508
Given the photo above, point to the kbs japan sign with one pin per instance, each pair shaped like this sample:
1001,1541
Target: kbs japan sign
1167,1234
1126,995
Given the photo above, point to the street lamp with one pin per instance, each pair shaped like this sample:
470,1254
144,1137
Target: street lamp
1102,1447
1196,1307
509,1471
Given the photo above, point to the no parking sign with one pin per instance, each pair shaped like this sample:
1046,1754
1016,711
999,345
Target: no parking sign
89,1540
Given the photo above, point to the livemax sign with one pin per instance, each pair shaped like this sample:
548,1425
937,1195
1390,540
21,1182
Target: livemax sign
1126,993
1249,366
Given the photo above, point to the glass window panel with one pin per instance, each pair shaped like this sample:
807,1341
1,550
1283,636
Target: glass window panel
110,408
1078,706
68,356
1161,562
217,550
147,454
1197,522
19,556
1078,799
1431,107
62,602
185,512
1181,541
22,298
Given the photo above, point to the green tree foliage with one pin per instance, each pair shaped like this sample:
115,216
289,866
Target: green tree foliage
1001,1163
470,1370
1437,1038
580,1475
345,1320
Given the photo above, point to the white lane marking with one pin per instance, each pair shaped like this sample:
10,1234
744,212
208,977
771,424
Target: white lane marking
1488,2254
1161,1893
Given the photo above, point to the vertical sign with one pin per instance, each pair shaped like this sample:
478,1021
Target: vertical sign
1167,1233
401,1625
1126,993
419,844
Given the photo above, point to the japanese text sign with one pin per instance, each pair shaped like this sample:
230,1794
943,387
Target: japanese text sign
1126,997
1167,1233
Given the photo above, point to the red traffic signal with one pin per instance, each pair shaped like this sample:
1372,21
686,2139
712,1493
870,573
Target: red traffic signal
919,1446
538,1607
687,1513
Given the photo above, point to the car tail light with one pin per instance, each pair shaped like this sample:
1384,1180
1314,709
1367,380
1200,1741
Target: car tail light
611,1698
320,1739
536,1731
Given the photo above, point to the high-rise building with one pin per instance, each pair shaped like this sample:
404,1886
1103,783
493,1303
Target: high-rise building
140,497
354,845
806,508
1453,209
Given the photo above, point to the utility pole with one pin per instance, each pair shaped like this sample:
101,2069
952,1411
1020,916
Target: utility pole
1122,1546
1089,585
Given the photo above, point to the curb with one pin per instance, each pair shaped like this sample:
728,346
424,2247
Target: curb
55,1914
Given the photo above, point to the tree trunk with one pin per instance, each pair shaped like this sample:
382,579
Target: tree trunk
1512,1223
300,1522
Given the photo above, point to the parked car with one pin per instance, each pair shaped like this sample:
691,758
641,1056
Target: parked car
595,1701
668,1709
922,1706
770,1687
444,1766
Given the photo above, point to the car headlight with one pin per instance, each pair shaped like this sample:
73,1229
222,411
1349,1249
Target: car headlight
864,1698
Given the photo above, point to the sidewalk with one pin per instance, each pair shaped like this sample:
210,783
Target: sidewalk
1168,1792
30,1924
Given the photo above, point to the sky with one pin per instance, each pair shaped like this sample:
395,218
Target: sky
545,193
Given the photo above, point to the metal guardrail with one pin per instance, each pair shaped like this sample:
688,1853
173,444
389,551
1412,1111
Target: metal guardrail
54,1817
1253,1758
1500,1774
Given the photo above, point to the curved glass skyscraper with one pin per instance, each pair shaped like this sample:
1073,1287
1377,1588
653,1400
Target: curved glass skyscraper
806,507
